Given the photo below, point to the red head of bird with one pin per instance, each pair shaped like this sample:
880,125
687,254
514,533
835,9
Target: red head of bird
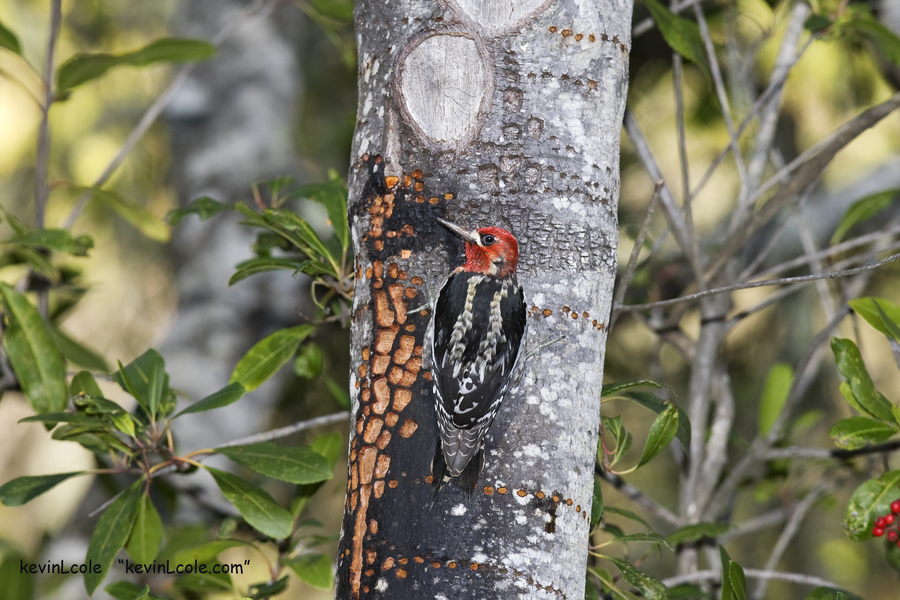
489,250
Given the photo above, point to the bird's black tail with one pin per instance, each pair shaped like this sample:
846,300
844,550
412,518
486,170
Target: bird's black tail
440,476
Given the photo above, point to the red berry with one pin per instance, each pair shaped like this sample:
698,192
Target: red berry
895,506
880,522
889,519
893,535
878,532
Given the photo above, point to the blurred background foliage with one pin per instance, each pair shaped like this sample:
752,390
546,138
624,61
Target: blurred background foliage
132,295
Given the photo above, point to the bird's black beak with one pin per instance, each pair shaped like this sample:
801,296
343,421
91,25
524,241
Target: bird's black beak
469,236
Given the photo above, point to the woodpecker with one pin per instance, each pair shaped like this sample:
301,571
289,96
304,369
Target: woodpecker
476,334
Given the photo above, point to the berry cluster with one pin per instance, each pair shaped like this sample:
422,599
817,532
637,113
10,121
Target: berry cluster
886,523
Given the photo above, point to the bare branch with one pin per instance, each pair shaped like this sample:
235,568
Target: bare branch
637,496
281,432
647,24
798,514
822,453
831,251
756,284
672,212
797,176
720,92
625,281
710,575
41,183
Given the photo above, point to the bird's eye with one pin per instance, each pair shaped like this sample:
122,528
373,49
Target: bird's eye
487,240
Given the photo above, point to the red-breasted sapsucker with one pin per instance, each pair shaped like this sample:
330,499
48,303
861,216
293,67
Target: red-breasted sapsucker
476,339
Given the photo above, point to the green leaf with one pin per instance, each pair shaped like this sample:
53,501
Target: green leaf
34,357
256,506
14,584
624,512
341,10
138,216
264,264
590,590
66,417
817,23
850,363
209,581
294,464
264,591
294,223
330,446
268,356
649,400
338,392
734,584
229,394
314,569
857,432
84,67
333,196
613,390
828,593
76,352
125,590
9,40
650,587
205,552
145,378
663,431
309,361
596,504
23,489
774,395
173,50
871,499
143,545
864,25
698,531
111,533
653,538
862,210
881,314
84,383
682,35
59,240
204,207
37,262
687,591
607,580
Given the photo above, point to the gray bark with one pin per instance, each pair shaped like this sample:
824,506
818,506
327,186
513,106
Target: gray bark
489,113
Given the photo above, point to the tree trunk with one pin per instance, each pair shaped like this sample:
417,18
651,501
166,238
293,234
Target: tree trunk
487,113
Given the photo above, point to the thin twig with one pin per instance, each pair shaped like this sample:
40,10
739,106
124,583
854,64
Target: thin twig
711,575
822,453
798,514
827,252
797,176
647,24
281,432
756,524
775,85
625,281
672,212
756,284
719,86
637,496
805,372
41,182
261,7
